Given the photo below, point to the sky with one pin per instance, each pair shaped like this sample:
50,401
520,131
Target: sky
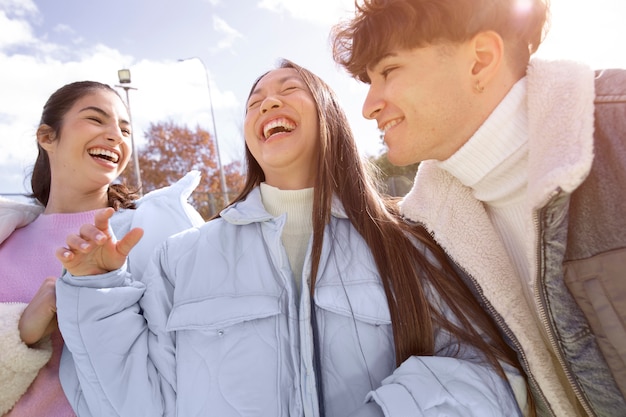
45,44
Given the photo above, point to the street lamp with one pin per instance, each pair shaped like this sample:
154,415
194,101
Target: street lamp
124,77
217,146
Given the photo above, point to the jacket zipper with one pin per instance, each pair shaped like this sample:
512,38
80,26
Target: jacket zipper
540,301
505,328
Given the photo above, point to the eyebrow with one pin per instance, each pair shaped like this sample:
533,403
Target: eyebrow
103,113
280,81
373,66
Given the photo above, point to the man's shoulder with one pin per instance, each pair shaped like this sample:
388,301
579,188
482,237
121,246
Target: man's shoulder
610,85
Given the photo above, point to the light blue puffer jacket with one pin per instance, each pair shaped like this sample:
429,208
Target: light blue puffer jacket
215,327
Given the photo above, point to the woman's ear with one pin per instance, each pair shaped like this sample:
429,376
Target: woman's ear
488,55
45,137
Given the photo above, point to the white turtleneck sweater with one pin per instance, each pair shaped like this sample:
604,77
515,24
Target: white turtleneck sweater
298,205
494,164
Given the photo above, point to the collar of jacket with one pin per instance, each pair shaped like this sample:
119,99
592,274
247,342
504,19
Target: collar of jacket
560,116
560,99
251,210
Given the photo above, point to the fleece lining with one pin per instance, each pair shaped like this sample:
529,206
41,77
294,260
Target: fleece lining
560,114
19,363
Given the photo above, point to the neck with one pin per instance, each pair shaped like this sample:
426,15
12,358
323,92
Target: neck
494,161
496,91
288,181
67,200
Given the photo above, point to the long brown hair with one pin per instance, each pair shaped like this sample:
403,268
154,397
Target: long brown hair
404,269
54,111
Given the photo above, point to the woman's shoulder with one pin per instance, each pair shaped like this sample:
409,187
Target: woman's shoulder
215,237
15,214
213,230
168,207
180,189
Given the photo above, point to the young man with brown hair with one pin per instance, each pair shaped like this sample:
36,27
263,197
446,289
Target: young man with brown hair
521,178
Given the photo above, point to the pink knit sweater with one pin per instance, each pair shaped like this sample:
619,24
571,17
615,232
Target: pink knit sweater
26,259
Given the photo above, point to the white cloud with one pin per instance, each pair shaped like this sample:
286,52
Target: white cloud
20,8
15,28
229,34
325,12
178,91
14,32
61,28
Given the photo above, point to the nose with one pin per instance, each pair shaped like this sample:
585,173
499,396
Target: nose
270,102
114,133
372,105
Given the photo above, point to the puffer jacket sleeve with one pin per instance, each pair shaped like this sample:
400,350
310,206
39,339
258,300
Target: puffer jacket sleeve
123,358
444,386
105,367
161,213
455,382
19,363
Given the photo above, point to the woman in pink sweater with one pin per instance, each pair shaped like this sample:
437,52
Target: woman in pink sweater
84,144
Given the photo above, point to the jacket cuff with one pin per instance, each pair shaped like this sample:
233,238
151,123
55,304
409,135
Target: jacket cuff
393,400
112,279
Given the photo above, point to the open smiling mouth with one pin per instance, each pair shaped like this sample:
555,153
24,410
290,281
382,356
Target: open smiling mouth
278,126
104,154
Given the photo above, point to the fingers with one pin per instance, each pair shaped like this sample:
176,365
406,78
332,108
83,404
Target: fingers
64,255
94,249
91,235
39,318
129,241
94,252
98,232
101,219
88,238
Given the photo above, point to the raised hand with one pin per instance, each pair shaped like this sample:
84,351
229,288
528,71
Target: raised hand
94,250
39,318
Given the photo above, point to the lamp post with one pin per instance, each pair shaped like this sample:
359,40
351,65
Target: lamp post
217,146
124,78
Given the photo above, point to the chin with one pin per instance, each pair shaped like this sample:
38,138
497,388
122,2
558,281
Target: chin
399,160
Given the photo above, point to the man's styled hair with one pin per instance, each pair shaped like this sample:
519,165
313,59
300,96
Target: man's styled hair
381,26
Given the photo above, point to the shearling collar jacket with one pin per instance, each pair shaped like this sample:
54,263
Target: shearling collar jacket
565,166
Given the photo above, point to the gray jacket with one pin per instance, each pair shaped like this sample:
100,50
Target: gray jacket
577,195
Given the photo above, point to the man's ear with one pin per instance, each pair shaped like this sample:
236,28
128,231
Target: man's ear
45,137
488,56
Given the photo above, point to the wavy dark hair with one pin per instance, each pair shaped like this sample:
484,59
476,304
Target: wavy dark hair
54,111
380,26
404,269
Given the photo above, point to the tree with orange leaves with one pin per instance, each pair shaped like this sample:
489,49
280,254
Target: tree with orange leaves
171,151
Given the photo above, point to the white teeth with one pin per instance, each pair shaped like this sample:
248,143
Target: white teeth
104,153
390,125
277,126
